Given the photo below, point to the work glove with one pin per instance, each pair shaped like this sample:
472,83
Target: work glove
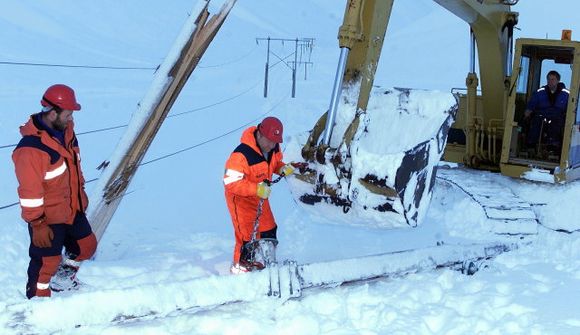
263,190
42,235
286,170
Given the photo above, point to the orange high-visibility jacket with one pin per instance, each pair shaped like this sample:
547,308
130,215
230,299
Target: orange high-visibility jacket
49,174
245,168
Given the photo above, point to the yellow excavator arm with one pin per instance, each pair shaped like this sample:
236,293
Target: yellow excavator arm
361,37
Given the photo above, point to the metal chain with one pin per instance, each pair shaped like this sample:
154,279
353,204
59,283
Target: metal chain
260,204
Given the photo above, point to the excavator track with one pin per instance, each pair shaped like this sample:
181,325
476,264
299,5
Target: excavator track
507,214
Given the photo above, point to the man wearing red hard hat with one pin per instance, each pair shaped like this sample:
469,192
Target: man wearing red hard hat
52,197
246,180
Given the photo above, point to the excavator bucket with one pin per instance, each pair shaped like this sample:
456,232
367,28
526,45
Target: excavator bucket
382,170
373,153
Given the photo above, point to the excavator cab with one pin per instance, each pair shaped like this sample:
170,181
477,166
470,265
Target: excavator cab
547,146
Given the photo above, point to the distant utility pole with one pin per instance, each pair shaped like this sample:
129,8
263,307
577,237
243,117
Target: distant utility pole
302,50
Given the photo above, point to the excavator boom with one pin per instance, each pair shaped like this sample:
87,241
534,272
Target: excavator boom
389,184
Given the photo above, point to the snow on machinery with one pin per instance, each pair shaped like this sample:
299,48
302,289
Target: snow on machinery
357,158
389,184
385,182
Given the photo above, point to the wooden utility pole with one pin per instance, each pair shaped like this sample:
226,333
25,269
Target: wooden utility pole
167,83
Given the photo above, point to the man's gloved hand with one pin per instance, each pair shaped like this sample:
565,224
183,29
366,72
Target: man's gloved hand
286,170
263,190
42,236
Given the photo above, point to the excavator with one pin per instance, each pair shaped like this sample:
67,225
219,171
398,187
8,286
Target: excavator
486,132
352,165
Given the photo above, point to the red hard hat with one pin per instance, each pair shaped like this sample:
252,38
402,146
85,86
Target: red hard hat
60,96
271,128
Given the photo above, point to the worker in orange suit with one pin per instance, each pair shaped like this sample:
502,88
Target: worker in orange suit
252,163
52,197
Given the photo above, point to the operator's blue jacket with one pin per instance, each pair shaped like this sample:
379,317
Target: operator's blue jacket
548,104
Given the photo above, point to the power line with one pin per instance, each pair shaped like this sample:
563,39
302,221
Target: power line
216,103
217,137
301,46
230,62
7,206
191,147
149,68
7,146
169,116
78,66
102,129
16,203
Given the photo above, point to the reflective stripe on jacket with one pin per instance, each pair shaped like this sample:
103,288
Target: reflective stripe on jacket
49,174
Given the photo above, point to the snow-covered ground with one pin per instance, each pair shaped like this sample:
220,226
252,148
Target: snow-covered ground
173,226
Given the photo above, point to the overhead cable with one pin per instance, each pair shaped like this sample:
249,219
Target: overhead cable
79,66
217,137
169,116
16,203
149,68
193,146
